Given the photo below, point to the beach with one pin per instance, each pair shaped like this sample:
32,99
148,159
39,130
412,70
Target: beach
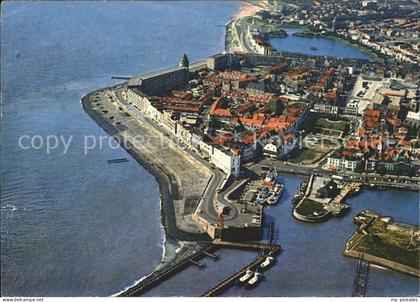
247,9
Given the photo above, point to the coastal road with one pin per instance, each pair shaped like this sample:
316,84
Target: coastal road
208,202
404,182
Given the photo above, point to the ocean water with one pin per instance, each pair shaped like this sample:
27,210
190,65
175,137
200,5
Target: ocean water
326,47
72,224
311,261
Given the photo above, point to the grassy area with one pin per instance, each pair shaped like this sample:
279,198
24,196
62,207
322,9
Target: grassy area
330,132
379,247
308,207
270,28
308,156
334,125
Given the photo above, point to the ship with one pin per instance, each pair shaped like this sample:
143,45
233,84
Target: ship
263,193
248,275
271,178
275,193
314,48
254,280
270,191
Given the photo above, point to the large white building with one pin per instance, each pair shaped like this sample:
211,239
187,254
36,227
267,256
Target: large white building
224,159
343,164
159,81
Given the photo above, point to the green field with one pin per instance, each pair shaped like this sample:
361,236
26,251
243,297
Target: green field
308,207
334,125
377,246
308,156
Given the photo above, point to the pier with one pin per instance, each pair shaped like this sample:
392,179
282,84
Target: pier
272,249
360,281
155,279
121,77
117,160
265,250
232,279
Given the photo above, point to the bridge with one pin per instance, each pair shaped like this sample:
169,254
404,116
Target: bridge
360,281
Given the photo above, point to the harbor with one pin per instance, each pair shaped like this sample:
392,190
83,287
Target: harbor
322,197
232,211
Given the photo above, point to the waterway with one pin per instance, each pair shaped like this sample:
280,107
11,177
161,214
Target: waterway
311,262
325,47
72,224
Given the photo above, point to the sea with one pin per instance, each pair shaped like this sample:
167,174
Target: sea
74,225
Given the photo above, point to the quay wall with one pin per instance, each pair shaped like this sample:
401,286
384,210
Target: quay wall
383,262
250,233
167,187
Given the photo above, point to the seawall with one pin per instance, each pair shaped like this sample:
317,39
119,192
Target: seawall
383,262
168,187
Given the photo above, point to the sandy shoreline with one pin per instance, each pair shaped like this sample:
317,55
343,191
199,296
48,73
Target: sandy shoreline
247,9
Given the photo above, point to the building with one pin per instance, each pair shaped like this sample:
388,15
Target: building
160,81
219,62
413,117
328,190
223,158
343,163
326,108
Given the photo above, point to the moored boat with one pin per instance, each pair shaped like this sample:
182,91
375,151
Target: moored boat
275,194
271,178
246,276
254,280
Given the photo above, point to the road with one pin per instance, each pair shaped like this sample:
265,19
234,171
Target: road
403,182
208,201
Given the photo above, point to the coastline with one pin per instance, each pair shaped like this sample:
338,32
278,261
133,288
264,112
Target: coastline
173,244
176,244
250,8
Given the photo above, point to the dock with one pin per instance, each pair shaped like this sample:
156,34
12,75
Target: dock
117,160
272,249
266,249
360,281
225,284
120,77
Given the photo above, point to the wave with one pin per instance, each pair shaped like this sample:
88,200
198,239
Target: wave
163,243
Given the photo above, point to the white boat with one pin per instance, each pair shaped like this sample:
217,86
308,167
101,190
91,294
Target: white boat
262,195
247,276
271,177
267,261
254,280
275,194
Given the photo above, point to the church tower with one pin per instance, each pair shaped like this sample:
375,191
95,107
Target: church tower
184,61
